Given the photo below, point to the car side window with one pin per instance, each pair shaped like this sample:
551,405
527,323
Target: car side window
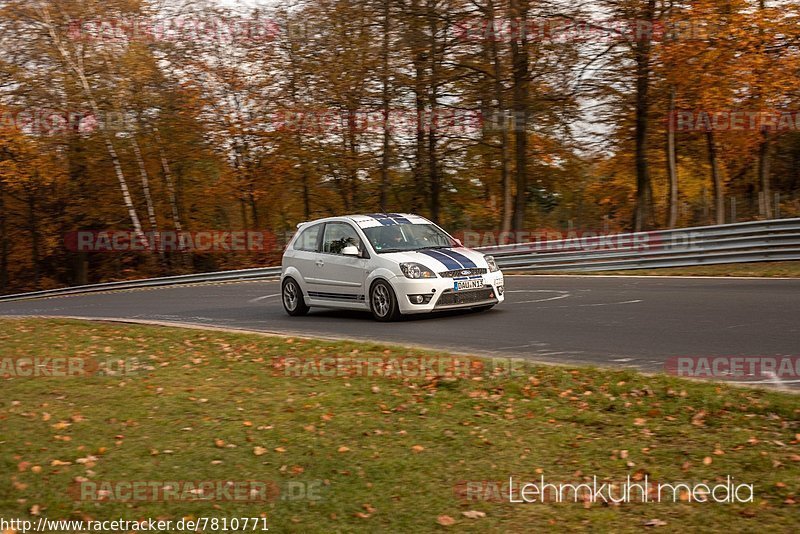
338,236
307,240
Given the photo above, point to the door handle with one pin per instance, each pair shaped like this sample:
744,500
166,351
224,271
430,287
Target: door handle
320,263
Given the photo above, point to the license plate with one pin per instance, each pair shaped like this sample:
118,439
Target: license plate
468,284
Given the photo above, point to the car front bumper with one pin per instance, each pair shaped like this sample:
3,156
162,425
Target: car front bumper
444,297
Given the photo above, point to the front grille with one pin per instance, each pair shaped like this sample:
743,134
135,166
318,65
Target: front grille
458,273
453,298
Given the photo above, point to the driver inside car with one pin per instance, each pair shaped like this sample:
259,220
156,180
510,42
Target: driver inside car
392,237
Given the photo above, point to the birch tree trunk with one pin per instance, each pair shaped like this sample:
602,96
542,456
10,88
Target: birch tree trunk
170,182
77,67
151,211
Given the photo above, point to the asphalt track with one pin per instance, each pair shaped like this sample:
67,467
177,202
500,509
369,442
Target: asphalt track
636,322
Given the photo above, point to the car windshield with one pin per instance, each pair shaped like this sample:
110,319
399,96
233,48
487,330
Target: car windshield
404,237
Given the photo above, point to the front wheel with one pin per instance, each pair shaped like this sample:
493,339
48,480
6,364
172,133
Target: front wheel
292,297
383,302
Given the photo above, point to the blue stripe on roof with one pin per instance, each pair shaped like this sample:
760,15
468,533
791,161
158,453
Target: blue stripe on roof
389,219
383,219
399,218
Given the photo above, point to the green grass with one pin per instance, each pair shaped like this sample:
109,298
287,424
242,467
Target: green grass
778,269
202,402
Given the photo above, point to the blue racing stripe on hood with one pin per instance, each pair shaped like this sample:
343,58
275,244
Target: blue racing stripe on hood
465,261
447,261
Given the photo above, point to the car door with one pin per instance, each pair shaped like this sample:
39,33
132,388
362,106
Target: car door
338,277
305,255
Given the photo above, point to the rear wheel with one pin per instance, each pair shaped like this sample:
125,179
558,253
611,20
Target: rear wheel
383,302
292,297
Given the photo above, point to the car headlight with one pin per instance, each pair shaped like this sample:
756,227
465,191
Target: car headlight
415,271
493,268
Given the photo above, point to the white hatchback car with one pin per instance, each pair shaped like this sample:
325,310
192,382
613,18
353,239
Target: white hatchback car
388,263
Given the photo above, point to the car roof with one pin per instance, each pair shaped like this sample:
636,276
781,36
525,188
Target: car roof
377,219
387,219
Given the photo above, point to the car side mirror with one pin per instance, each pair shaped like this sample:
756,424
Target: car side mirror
351,251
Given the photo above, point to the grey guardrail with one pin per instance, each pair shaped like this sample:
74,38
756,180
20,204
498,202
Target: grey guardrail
224,276
774,240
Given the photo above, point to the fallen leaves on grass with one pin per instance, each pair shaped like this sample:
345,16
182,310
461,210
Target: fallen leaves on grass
259,451
445,520
473,514
698,419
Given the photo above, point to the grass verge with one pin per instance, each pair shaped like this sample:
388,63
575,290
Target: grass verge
378,453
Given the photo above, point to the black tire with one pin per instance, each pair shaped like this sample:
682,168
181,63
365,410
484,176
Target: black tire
383,302
483,308
292,297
